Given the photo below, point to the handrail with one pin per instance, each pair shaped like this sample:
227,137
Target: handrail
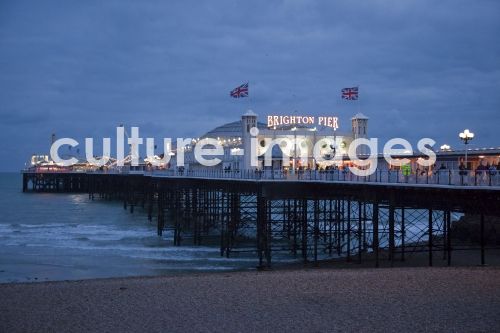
436,177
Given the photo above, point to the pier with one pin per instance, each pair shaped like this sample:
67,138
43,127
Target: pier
312,218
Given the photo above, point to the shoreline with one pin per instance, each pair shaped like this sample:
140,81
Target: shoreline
285,269
366,299
461,258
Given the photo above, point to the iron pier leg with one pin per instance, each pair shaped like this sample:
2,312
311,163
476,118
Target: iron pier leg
445,235
316,230
448,240
360,230
364,228
403,234
261,221
330,228
391,234
482,240
295,221
430,237
161,212
150,204
375,233
269,221
304,229
222,227
337,225
348,229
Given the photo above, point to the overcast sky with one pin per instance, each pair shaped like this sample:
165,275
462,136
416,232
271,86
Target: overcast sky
80,68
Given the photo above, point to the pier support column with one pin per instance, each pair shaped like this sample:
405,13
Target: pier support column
25,182
403,234
161,212
294,228
316,230
348,258
375,233
304,229
448,239
430,237
261,227
177,216
195,215
150,199
223,226
360,231
391,234
445,235
337,226
482,240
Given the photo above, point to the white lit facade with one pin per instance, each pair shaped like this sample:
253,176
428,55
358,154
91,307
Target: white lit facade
235,138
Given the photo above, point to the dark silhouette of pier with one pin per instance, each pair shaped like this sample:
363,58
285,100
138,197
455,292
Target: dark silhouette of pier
313,220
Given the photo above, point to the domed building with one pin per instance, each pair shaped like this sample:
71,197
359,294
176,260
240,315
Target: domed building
248,143
229,131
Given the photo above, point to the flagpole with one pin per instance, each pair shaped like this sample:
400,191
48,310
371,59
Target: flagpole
359,101
248,103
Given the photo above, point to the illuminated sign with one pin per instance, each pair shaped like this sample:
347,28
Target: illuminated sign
274,121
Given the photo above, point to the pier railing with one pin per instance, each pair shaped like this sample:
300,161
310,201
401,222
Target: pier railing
438,177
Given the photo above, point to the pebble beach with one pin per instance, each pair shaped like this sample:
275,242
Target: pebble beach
457,299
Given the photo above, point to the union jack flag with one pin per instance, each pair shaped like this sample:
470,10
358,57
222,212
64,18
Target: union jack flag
241,91
350,94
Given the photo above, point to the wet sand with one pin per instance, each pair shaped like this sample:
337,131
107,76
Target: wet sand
464,299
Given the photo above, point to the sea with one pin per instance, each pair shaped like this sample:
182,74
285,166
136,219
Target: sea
52,236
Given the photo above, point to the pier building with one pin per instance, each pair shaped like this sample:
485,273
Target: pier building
235,137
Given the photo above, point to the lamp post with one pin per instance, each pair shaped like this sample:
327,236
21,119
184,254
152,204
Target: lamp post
466,136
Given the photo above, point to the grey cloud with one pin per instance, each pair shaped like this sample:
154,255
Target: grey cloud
424,68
